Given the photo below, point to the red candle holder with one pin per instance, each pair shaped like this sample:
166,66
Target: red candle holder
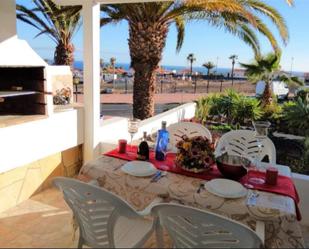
271,176
122,146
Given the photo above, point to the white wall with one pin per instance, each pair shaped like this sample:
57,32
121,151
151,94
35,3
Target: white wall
25,143
117,128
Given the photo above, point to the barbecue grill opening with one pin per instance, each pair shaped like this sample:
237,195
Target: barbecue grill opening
23,91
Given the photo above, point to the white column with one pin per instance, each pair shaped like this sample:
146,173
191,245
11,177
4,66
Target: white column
7,19
91,24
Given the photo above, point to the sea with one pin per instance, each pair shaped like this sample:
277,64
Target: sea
126,66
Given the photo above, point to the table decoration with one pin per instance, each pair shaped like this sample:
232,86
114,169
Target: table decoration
194,154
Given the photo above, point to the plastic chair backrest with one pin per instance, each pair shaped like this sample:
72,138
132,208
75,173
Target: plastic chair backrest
243,142
189,129
193,228
95,210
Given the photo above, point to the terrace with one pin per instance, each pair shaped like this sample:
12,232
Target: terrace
67,141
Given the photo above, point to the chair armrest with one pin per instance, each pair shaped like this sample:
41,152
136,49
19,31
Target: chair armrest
260,230
147,210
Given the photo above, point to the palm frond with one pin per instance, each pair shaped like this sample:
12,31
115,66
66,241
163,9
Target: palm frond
180,26
274,15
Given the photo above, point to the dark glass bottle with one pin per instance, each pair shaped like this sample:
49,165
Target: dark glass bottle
161,143
143,149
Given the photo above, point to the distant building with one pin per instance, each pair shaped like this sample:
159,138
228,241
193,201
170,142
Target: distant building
306,76
240,73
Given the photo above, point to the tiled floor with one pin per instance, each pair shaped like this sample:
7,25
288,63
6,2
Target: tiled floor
45,221
42,221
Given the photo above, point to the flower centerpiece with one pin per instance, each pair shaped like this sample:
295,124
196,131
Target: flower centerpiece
195,154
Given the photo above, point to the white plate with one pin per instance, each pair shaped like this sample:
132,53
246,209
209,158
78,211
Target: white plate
226,188
139,168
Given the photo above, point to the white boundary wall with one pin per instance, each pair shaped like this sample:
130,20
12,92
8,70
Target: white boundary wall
117,128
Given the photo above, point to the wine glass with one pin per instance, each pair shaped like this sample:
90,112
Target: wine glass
133,125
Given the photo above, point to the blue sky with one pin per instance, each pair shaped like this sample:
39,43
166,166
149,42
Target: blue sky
206,42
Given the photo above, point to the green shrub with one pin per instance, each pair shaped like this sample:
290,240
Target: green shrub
246,109
303,94
204,107
296,115
233,106
272,112
306,154
224,127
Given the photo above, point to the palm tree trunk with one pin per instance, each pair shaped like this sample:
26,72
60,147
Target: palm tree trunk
267,94
64,54
146,43
208,80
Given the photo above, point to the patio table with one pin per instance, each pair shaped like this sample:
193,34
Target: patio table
277,211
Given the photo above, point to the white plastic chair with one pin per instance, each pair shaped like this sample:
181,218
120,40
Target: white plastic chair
243,142
104,220
193,228
189,129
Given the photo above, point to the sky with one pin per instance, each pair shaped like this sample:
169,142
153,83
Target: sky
206,42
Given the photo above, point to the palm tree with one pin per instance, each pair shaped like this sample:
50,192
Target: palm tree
52,20
209,65
267,68
191,58
233,57
149,24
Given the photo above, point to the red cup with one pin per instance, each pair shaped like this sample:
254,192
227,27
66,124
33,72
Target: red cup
271,176
122,146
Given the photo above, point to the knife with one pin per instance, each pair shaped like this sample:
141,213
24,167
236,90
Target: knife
156,176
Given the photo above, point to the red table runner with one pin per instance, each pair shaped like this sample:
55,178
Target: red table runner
285,185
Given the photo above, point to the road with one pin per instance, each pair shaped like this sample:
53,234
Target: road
125,110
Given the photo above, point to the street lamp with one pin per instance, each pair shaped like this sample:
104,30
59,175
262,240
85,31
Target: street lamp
292,62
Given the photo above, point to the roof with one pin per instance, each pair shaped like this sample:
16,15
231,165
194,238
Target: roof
161,70
116,70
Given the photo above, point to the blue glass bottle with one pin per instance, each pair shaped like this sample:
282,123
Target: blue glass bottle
161,143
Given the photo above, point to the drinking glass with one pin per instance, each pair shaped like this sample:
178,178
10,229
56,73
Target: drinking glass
261,131
256,164
247,166
133,125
